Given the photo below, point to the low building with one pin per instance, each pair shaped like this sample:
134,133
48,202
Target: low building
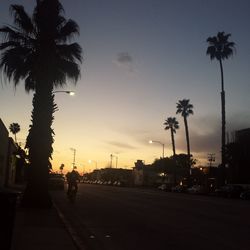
144,175
11,162
11,156
4,144
238,170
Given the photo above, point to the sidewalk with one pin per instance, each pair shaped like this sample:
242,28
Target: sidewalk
40,230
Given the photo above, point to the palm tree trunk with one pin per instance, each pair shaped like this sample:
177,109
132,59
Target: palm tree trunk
173,144
39,142
187,139
223,124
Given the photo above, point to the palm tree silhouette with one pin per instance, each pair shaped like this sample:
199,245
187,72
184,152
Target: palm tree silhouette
61,168
185,109
37,50
220,48
172,124
14,129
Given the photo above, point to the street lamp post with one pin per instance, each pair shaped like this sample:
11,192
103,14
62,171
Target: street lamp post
111,160
74,156
161,144
116,161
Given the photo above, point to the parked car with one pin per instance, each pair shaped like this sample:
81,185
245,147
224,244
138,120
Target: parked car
164,187
245,195
196,189
230,191
119,184
56,181
179,189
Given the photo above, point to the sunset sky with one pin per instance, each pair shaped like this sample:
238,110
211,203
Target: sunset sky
140,58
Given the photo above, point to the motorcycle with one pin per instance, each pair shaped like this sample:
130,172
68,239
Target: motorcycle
72,194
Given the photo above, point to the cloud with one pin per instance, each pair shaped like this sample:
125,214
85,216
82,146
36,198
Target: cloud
238,121
121,145
205,134
138,135
205,137
124,60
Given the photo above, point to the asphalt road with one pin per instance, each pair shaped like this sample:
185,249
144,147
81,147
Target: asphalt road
118,218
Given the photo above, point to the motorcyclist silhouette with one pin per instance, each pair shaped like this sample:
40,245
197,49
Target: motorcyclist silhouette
73,178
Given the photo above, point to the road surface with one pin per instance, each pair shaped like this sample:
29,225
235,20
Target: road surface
120,218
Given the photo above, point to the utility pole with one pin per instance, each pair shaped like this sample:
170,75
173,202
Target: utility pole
74,156
211,158
111,158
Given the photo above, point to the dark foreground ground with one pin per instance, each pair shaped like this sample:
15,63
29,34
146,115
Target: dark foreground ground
117,218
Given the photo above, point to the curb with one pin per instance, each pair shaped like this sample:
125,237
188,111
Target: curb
80,245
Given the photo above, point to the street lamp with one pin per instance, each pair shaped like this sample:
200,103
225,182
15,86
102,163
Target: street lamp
116,160
90,161
159,143
74,156
64,91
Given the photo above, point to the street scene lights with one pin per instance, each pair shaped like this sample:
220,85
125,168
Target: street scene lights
90,161
159,143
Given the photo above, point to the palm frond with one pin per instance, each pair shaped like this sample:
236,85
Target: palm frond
67,31
184,108
70,69
70,52
11,34
219,46
14,64
29,84
171,123
10,44
21,18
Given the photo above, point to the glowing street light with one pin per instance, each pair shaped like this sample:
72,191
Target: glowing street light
159,143
64,91
90,161
71,93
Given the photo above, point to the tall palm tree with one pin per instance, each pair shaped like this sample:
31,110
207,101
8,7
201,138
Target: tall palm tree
172,124
220,49
185,109
14,129
37,50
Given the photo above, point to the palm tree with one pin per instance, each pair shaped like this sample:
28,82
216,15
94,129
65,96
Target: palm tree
61,168
185,109
14,129
172,124
37,50
220,48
